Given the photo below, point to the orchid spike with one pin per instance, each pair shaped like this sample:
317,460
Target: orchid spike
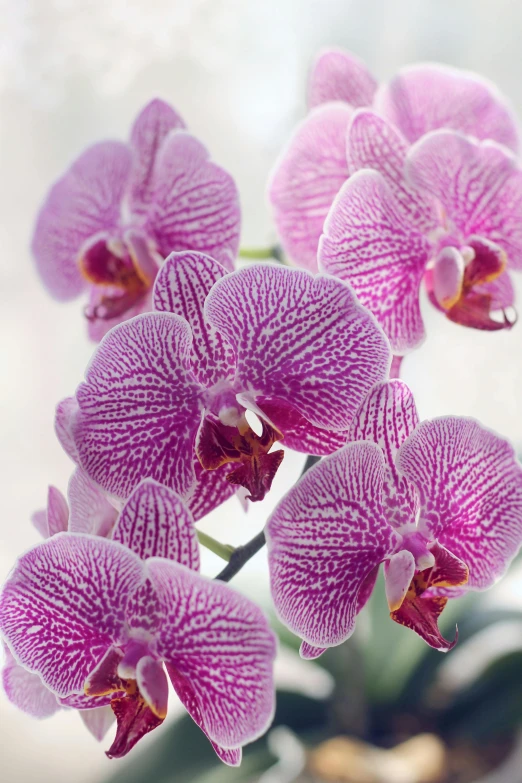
317,161
444,211
164,387
106,617
439,503
120,209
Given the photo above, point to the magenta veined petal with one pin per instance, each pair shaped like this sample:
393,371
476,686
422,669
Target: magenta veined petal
57,512
304,340
373,143
181,288
337,75
478,184
139,407
210,490
65,412
64,604
84,202
221,643
325,541
387,417
98,721
470,490
427,96
149,130
368,243
306,179
195,203
90,511
154,522
26,690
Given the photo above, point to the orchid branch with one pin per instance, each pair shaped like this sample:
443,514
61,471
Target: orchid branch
242,554
262,253
224,551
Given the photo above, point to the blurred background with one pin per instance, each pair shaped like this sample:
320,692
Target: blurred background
382,707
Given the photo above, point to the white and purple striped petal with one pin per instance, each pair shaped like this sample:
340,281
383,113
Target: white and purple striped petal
478,184
66,410
428,96
304,340
26,690
338,75
210,490
306,179
325,540
90,511
83,203
220,642
64,604
139,407
181,288
155,522
148,132
387,417
194,203
373,143
470,489
368,243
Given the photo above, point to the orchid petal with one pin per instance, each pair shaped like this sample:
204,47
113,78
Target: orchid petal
181,288
153,685
387,417
325,541
64,604
478,184
299,434
189,699
373,143
65,412
306,179
340,76
91,512
221,643
155,522
84,202
398,573
150,128
368,243
425,97
210,490
39,520
57,511
128,305
501,290
195,204
26,690
98,721
470,490
301,339
139,407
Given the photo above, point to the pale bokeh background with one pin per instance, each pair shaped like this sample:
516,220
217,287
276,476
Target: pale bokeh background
75,71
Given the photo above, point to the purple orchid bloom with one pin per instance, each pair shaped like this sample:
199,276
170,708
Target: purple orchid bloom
169,385
420,98
439,503
95,621
446,210
120,209
89,512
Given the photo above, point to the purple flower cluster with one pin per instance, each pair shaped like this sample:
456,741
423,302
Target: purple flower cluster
381,188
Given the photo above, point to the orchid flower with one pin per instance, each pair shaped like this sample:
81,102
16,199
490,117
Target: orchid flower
166,386
446,210
420,98
94,621
89,512
120,209
438,502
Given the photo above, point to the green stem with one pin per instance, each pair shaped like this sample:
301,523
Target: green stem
262,253
224,551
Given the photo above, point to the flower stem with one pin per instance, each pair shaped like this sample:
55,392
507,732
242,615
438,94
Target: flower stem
224,551
242,554
262,253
